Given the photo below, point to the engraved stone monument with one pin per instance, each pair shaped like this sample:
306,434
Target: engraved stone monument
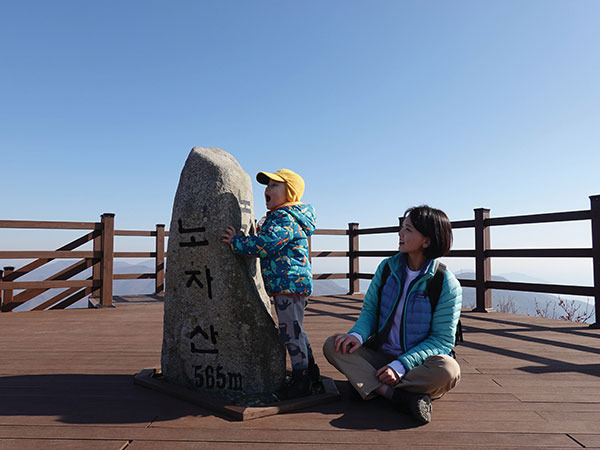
219,336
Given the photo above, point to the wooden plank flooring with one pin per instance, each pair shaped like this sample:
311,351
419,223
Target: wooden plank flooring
66,383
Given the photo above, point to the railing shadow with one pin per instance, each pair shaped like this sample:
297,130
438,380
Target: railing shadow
520,332
332,305
89,399
569,328
547,365
114,399
519,328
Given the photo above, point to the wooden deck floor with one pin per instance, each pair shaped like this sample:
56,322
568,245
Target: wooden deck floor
66,383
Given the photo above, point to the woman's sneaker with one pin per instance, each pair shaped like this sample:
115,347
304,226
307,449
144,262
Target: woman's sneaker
416,404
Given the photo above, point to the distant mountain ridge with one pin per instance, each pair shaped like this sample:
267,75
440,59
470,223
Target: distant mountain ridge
517,302
524,302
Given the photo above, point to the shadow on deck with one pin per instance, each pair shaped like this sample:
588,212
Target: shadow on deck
66,382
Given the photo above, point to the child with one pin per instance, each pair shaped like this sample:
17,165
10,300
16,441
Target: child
406,356
282,245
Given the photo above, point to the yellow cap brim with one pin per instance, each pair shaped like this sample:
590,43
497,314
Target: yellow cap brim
264,177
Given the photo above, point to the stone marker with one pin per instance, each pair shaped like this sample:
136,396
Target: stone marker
219,335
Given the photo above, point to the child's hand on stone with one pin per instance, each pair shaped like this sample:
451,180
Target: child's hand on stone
260,223
228,234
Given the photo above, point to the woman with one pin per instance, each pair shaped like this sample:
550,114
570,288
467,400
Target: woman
400,345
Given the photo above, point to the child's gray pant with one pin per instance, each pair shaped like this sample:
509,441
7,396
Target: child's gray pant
290,314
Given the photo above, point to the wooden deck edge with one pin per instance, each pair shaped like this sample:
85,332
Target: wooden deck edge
150,378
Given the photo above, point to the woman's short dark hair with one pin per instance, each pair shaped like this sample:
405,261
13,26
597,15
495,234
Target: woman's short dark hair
434,224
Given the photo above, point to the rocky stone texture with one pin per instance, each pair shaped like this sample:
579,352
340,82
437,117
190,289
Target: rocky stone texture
219,335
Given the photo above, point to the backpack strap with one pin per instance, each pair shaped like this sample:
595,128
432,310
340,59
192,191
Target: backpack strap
434,285
434,290
384,277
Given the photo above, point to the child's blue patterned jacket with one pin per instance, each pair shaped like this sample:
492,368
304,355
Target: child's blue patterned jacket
282,245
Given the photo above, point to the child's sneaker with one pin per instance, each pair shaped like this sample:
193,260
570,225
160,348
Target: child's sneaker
313,372
298,386
315,378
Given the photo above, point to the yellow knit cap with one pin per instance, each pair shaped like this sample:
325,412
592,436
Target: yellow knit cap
293,182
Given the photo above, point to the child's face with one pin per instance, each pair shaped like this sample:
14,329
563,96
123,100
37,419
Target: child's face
275,194
411,240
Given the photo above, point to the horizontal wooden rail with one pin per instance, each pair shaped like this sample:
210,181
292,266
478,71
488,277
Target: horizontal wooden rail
49,254
395,229
463,224
329,254
466,283
539,218
541,253
462,253
365,276
330,232
330,276
48,284
539,287
133,276
371,253
378,230
49,225
135,254
140,233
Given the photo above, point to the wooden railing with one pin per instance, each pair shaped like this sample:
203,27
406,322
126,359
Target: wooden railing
99,286
482,253
101,259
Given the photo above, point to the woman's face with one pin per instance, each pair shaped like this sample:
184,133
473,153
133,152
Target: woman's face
410,240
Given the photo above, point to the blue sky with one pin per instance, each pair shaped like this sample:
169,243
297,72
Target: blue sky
380,105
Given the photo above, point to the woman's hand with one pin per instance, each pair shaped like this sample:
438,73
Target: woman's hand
388,376
228,234
346,343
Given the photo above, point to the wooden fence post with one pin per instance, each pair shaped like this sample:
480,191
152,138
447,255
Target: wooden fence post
107,262
160,260
483,267
353,281
1,291
94,292
595,210
7,295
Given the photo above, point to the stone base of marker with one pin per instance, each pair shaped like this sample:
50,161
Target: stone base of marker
153,379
